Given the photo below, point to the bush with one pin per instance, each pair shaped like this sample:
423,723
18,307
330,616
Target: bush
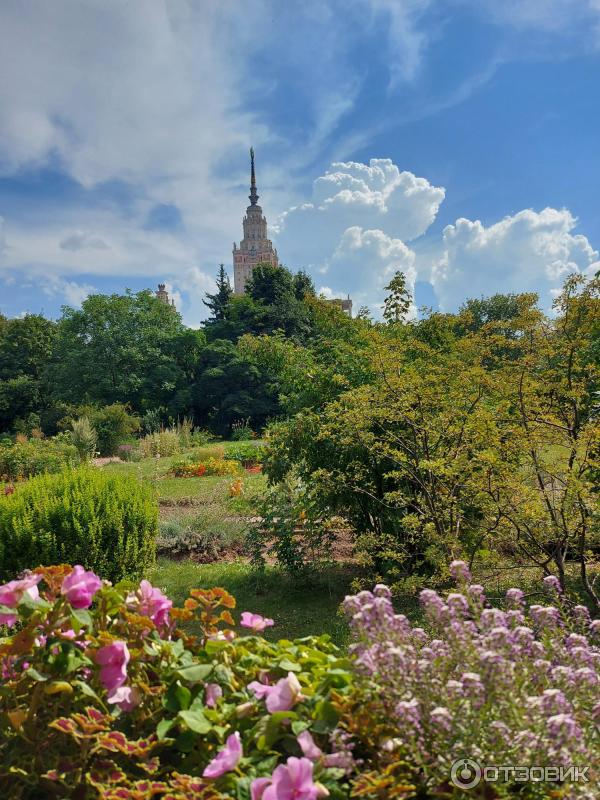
112,424
84,439
292,529
163,443
107,522
129,452
34,456
205,537
246,453
241,431
103,696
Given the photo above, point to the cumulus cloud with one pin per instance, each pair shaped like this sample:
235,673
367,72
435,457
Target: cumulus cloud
373,258
353,230
529,251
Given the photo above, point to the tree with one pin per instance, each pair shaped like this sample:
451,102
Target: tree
397,303
219,301
127,348
25,348
303,285
230,386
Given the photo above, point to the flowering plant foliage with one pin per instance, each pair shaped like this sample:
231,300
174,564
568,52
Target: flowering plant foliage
210,466
103,695
514,686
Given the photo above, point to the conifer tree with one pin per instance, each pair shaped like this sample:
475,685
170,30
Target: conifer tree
219,301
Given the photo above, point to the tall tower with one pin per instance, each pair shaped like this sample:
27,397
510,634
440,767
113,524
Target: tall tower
254,248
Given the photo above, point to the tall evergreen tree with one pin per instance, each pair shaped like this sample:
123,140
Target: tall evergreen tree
219,301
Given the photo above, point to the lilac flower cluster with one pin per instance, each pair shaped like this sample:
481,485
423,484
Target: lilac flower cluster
514,686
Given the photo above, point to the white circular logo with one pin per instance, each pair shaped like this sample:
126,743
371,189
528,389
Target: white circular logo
465,773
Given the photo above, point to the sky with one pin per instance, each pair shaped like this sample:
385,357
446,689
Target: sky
454,140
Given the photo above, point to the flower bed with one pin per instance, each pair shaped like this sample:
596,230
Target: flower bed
103,696
210,466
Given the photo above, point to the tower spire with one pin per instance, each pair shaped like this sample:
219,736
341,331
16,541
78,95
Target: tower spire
253,195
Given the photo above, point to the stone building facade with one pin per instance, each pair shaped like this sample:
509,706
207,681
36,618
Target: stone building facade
163,296
255,248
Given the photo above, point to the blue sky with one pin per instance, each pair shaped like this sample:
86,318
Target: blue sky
456,140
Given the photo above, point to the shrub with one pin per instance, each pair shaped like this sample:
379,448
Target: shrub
103,696
107,522
151,421
246,453
113,423
292,529
84,438
241,431
30,457
163,443
128,452
205,537
517,686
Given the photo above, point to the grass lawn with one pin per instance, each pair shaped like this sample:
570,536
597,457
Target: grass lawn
298,609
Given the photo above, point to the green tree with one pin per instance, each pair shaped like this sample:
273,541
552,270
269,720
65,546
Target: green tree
398,301
127,348
219,301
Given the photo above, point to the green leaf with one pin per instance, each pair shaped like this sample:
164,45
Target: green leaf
81,618
195,721
195,673
37,676
163,727
177,698
87,690
289,666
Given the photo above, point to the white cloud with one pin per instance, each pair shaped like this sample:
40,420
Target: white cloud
529,251
372,196
365,261
72,292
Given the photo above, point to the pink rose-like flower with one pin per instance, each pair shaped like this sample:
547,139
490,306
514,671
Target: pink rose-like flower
293,781
113,660
282,696
80,587
152,603
126,697
227,758
257,788
213,692
308,746
255,621
11,594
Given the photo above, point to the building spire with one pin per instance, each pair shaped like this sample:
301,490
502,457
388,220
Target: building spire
253,195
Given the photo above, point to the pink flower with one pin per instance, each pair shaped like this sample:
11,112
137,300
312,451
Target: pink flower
293,781
282,696
126,697
113,660
12,593
258,786
308,746
255,621
213,692
80,586
227,758
152,603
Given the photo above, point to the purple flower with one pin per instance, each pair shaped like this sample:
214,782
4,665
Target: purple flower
552,583
460,572
113,660
213,692
152,603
